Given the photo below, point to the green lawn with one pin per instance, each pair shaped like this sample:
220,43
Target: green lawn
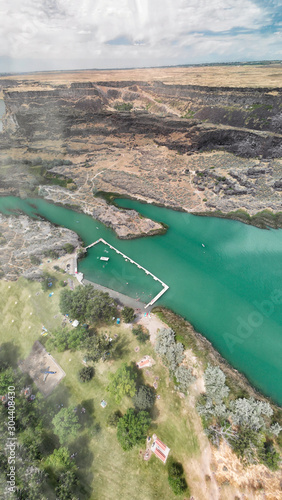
103,465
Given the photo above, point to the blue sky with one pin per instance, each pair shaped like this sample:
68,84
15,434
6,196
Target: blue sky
77,34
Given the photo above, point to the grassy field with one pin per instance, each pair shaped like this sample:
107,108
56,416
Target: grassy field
103,466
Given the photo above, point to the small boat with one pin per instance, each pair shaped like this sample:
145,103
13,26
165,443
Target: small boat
105,258
203,245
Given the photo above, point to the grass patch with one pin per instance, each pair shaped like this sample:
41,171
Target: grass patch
104,467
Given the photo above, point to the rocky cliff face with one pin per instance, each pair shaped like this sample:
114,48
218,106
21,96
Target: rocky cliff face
24,242
198,148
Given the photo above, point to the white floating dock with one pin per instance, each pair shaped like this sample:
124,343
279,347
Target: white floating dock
165,287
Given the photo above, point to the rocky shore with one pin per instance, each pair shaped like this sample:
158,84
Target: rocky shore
24,242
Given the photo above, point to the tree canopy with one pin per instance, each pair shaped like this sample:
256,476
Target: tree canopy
132,428
86,304
144,398
66,424
122,383
128,314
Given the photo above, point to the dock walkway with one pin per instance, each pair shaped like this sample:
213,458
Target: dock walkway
165,287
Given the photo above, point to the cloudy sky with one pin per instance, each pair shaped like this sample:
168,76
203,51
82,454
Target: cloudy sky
77,34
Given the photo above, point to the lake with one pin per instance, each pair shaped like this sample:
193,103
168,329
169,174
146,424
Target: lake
224,277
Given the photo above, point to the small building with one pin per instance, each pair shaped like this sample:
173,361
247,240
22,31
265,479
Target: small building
103,403
160,449
75,323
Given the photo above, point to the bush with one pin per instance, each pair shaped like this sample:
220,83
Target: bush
113,418
69,248
132,428
35,260
144,398
142,336
128,314
86,373
176,478
177,484
52,254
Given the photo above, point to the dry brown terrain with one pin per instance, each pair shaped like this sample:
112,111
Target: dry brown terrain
213,76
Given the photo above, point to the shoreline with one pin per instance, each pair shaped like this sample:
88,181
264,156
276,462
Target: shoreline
263,219
206,352
201,346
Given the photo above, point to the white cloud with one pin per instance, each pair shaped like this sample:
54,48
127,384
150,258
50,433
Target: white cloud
161,31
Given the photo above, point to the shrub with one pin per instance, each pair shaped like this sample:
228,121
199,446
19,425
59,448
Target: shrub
144,398
132,428
35,260
69,248
128,314
113,418
177,484
86,373
142,336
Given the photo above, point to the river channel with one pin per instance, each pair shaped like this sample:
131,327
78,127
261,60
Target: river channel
225,277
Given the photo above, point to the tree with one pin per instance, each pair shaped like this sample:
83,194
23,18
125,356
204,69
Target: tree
97,347
215,384
85,303
86,373
132,428
60,460
176,477
122,383
66,483
144,398
68,247
67,339
177,484
171,351
128,314
249,413
101,308
7,379
142,336
184,378
66,424
113,418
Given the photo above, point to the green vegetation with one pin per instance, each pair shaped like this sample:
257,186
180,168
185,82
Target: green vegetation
132,428
141,333
86,373
124,106
66,424
128,314
69,248
63,339
244,422
35,260
87,304
144,398
176,478
189,114
122,383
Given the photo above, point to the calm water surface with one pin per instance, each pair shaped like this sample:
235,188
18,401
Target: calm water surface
224,277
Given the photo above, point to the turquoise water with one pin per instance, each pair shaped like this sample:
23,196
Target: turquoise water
230,289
